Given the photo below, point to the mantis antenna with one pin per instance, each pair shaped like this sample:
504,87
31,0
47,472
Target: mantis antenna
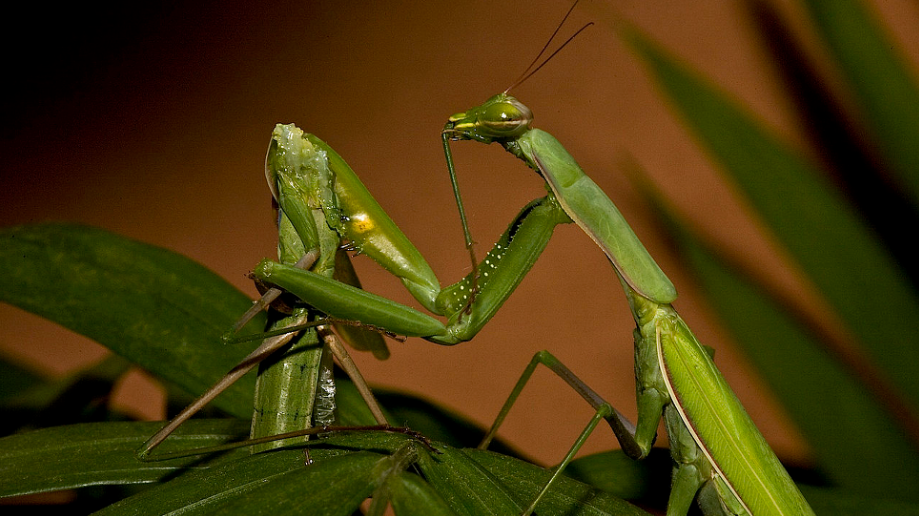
529,71
447,135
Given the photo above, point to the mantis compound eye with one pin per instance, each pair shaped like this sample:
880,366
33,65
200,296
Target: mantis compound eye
500,118
506,118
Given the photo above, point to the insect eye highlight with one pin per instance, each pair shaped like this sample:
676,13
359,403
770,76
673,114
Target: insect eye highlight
507,118
502,112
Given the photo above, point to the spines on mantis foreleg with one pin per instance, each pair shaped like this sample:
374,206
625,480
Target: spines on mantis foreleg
500,273
512,255
503,268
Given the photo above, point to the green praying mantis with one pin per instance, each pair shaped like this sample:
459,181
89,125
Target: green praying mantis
718,452
720,457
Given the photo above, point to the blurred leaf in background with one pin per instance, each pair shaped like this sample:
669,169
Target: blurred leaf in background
845,221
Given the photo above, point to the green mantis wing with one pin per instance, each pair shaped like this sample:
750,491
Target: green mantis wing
371,231
730,441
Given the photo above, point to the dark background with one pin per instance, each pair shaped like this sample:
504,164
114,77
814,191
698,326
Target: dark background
152,120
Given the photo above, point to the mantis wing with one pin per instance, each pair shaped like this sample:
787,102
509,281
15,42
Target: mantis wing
721,427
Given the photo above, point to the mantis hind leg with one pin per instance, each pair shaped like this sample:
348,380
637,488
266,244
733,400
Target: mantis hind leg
650,406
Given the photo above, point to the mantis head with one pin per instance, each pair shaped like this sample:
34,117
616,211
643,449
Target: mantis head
500,118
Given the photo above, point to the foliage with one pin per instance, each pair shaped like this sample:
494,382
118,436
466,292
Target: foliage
840,220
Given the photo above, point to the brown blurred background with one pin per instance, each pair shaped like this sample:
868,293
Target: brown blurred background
153,120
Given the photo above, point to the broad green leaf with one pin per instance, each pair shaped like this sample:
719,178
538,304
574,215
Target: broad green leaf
152,306
271,483
566,497
484,482
805,212
854,438
843,502
332,487
466,486
73,456
882,86
619,475
410,495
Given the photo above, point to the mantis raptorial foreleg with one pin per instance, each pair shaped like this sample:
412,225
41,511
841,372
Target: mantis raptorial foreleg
287,386
322,203
341,209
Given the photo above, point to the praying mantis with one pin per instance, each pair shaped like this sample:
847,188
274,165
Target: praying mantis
717,449
335,198
720,456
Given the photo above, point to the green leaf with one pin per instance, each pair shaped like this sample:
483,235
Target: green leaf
412,496
270,483
566,497
619,475
465,485
854,437
152,306
810,218
74,456
840,502
874,72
